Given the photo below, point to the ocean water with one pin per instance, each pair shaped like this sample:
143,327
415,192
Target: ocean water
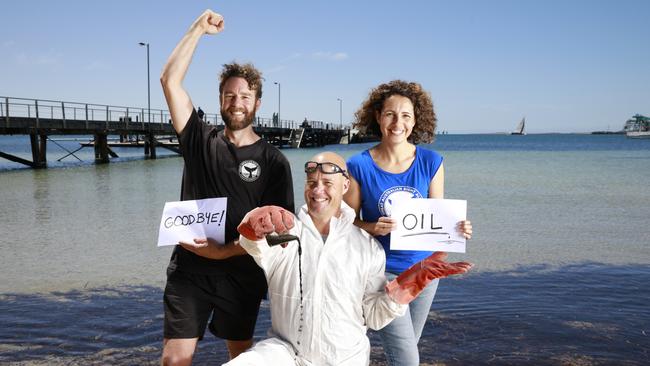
562,265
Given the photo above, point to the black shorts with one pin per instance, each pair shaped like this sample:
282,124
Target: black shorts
232,301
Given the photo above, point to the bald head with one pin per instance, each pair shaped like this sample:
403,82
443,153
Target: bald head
330,157
326,182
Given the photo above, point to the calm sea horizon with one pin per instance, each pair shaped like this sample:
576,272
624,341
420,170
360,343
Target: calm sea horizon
561,255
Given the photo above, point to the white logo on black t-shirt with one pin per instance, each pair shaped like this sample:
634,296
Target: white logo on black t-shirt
249,170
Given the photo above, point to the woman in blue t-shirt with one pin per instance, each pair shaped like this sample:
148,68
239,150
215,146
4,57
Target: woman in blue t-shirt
396,169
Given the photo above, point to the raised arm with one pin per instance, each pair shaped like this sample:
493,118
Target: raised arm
256,225
178,100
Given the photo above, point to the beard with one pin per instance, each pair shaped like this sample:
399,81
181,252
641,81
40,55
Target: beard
234,125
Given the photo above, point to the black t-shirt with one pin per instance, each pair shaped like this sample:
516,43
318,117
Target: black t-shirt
250,176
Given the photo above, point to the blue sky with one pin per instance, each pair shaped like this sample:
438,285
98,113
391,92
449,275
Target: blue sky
568,66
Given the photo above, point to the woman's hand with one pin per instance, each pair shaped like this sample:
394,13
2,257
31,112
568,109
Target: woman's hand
383,226
465,228
209,248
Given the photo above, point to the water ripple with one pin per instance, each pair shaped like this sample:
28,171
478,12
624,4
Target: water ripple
587,314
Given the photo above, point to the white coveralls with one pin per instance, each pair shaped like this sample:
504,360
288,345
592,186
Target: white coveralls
343,294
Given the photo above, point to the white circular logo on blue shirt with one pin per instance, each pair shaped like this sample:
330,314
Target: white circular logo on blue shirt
393,195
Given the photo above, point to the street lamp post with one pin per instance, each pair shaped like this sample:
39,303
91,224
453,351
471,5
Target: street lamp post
148,85
278,84
340,112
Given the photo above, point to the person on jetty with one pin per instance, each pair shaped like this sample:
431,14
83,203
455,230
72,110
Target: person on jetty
208,281
395,169
327,284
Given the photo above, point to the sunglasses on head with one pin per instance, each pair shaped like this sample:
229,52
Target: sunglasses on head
325,168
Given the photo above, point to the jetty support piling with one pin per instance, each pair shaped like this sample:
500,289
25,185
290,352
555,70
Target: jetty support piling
39,150
150,146
101,148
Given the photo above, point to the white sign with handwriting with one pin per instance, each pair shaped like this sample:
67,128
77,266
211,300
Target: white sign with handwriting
187,220
428,224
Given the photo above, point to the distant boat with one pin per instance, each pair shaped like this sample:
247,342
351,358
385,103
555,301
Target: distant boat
638,127
520,130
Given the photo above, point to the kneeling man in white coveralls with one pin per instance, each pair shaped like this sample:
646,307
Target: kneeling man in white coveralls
328,286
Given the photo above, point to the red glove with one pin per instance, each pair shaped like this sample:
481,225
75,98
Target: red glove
411,282
265,220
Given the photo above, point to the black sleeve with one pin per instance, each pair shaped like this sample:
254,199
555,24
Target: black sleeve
192,142
190,139
280,189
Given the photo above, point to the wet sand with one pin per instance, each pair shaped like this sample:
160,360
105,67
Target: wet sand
589,314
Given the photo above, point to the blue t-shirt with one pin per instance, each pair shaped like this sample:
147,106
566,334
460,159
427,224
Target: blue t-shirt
379,189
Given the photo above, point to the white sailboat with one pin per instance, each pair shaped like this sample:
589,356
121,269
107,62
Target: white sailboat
520,130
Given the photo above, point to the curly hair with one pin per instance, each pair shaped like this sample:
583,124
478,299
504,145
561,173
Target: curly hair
425,117
247,71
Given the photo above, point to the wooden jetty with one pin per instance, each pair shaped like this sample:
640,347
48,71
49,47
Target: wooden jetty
130,127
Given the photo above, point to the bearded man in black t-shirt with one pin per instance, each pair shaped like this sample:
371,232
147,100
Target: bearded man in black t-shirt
208,283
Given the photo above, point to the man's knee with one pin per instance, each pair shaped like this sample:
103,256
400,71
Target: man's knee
171,359
237,347
178,352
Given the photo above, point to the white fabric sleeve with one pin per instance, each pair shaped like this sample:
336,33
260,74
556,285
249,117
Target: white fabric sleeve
264,255
378,308
260,251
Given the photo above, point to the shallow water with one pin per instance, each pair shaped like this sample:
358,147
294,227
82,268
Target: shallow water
588,314
560,249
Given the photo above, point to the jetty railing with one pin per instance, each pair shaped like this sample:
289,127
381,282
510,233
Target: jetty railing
62,110
40,118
